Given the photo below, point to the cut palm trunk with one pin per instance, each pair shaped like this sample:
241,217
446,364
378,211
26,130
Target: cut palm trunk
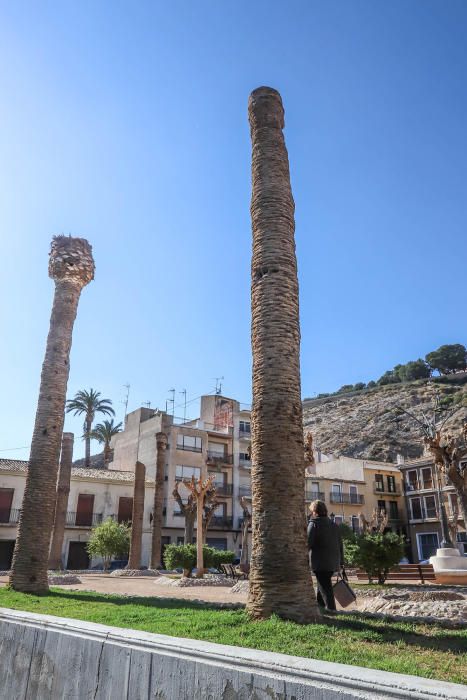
134,560
63,491
156,545
280,580
71,266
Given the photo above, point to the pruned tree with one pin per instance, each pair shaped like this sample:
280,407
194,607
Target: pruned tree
136,543
378,521
203,492
189,513
209,507
453,524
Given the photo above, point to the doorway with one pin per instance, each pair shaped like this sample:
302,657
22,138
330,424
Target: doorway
6,554
78,557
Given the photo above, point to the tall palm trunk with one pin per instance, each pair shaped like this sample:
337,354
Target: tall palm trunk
63,491
156,546
134,560
280,580
72,267
87,441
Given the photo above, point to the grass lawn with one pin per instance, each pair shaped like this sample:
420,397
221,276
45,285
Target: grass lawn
421,650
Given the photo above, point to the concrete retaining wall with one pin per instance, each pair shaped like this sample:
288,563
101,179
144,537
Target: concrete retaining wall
44,658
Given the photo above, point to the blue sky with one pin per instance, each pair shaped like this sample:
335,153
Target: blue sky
126,123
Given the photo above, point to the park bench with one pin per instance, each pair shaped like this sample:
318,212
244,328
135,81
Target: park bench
405,572
233,572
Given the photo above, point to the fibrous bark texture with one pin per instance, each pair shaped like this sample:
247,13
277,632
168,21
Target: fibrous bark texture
134,560
280,580
71,266
161,440
63,491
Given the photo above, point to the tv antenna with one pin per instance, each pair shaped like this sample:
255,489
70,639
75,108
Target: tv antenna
184,404
219,381
127,396
172,401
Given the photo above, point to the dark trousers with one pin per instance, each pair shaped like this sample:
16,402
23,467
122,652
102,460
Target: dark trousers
325,594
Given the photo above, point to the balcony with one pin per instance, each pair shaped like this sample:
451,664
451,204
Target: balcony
219,458
244,434
244,463
223,489
9,516
352,499
221,521
314,495
83,519
379,488
244,491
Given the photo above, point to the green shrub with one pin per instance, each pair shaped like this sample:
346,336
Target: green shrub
183,556
375,553
109,539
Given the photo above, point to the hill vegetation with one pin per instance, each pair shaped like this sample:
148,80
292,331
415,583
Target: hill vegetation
362,420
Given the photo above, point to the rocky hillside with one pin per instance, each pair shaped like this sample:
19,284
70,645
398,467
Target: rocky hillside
362,423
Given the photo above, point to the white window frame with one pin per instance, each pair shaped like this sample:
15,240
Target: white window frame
418,498
417,484
422,479
419,548
430,517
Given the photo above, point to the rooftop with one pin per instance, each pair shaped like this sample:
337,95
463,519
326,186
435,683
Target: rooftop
20,465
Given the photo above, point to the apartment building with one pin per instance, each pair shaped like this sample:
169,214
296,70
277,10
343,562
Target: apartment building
95,495
352,486
422,504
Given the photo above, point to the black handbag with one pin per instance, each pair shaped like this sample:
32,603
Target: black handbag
342,591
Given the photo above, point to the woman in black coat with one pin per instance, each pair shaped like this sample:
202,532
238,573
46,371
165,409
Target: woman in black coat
326,552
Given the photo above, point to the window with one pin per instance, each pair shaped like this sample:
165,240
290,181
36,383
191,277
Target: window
244,427
6,499
177,510
185,473
189,442
217,448
430,507
382,506
355,523
462,541
379,481
353,492
338,519
391,484
427,545
125,509
416,508
412,480
244,457
393,510
84,509
427,478
216,542
453,507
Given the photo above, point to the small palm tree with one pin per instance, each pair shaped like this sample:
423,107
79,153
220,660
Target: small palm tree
103,433
89,403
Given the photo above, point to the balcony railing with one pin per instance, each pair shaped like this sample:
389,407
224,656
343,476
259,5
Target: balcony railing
353,499
188,448
221,521
219,457
9,516
83,519
244,434
245,463
314,495
223,489
378,487
244,491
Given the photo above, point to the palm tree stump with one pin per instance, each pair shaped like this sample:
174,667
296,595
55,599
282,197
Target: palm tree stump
71,266
156,546
63,491
280,580
134,560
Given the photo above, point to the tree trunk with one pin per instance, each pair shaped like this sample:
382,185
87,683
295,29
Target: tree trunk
72,267
134,560
63,490
190,517
87,442
280,580
161,439
199,536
